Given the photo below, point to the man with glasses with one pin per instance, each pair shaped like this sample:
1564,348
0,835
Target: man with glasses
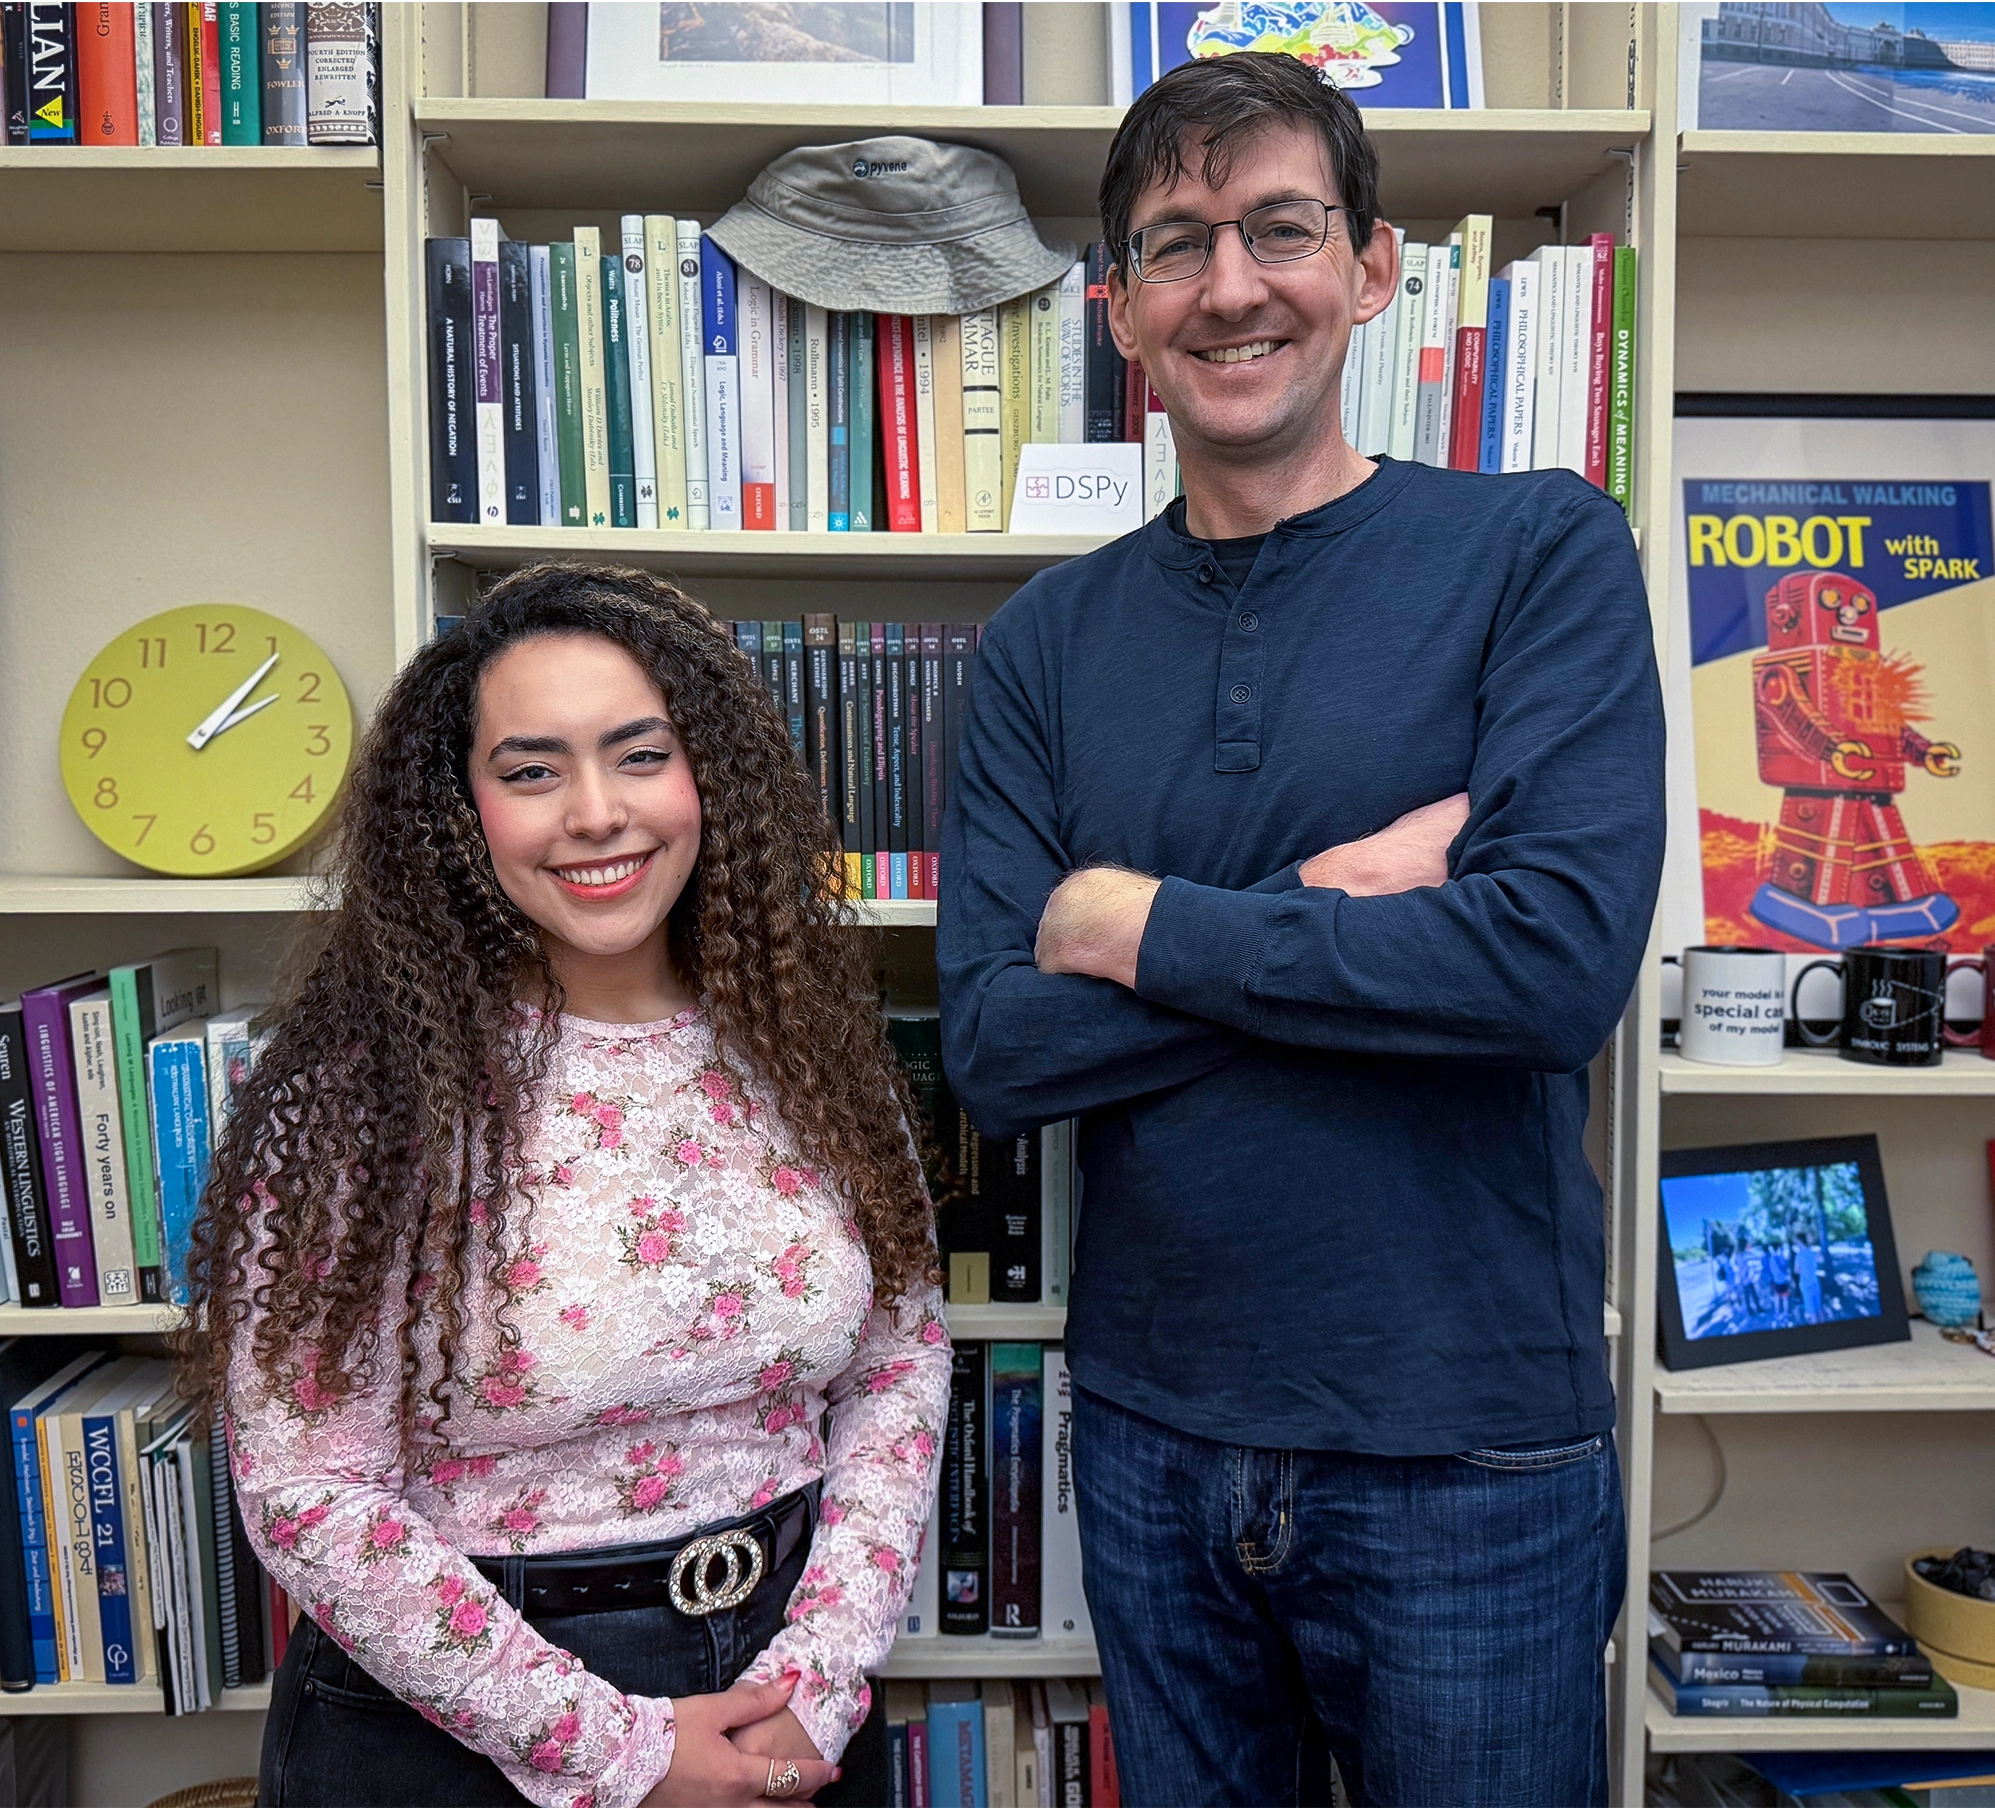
1304,845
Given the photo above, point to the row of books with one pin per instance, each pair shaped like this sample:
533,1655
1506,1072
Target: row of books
1531,368
1768,1643
129,1564
658,386
207,73
1000,1745
111,1089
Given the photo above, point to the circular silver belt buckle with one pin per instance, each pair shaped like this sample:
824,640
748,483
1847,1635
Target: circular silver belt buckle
692,1582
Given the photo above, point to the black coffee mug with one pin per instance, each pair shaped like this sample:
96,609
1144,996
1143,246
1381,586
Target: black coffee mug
1893,1006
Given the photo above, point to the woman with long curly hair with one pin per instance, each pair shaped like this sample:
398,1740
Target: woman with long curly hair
566,1273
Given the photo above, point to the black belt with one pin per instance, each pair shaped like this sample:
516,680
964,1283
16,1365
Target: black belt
708,1571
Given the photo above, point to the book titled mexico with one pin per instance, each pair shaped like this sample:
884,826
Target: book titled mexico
719,330
52,1074
1935,1701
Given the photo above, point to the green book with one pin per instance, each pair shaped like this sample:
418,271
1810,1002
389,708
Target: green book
242,74
1621,381
567,383
863,407
616,380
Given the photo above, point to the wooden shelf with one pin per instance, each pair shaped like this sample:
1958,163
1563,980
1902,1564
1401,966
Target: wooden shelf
670,156
944,1656
1822,1072
87,1321
190,198
50,896
1836,185
1975,1728
105,1698
1926,1375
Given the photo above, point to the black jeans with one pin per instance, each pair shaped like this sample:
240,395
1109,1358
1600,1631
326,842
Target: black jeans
337,1739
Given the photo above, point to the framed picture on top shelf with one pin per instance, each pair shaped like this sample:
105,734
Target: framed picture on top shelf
1776,1249
807,52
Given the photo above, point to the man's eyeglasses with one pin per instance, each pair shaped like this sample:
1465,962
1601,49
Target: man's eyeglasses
1278,233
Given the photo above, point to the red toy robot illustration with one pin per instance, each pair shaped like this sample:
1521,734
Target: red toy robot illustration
1834,717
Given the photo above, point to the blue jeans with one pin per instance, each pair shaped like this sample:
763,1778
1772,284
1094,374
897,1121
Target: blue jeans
1436,1624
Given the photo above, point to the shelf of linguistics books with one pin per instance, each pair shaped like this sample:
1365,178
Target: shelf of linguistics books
123,1698
1823,1073
684,158
943,1656
190,198
1975,1728
1927,1374
765,555
1836,185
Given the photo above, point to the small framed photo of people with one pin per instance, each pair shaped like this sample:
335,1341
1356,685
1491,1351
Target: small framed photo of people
1776,1249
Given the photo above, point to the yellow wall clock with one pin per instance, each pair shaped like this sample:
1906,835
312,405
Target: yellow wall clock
207,741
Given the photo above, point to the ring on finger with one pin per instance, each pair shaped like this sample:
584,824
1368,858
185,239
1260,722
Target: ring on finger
782,1783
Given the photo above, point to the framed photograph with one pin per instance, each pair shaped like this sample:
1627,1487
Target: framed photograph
1776,1249
810,52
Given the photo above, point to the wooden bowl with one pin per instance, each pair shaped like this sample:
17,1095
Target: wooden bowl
1956,1631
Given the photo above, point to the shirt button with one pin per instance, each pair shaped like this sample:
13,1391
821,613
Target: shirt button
1240,693
1250,621
1205,574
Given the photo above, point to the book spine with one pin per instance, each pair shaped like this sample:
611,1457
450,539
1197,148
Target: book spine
79,1551
169,73
107,1528
966,1497
958,655
106,75
14,72
917,844
101,1133
617,423
341,74
181,1103
934,795
1160,456
821,754
51,66
773,674
883,728
1495,385
61,1568
1134,387
983,426
28,1507
1718,1669
20,1160
1104,1790
143,69
1042,427
228,1618
897,1796
138,1552
567,327
1056,1204
519,389
204,54
862,637
487,393
1432,364
797,349
779,383
758,406
1451,296
1072,1782
848,758
201,1563
1575,351
859,401
1104,362
1017,1441
719,328
917,1763
899,428
1621,398
1408,328
796,707
52,1072
1521,366
1072,334
668,376
453,473
10,1278
637,334
281,29
921,346
1471,343
951,508
567,67
1063,1605
242,75
1600,318
838,423
595,378
1014,393
817,419
692,376
248,1576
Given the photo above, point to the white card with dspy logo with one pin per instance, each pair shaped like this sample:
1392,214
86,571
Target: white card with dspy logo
1078,490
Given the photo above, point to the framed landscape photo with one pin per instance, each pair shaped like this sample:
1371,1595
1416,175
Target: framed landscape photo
1776,1249
807,52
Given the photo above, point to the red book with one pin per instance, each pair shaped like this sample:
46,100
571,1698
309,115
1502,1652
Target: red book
280,1621
917,1763
1471,347
1105,1790
106,76
204,61
1135,391
898,432
1597,367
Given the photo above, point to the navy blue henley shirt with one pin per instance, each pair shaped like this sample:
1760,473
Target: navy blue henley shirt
1334,1190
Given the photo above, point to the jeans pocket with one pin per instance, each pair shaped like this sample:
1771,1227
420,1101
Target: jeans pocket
377,1699
1523,1458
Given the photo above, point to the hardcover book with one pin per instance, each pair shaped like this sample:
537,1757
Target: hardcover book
1771,1613
242,74
106,74
567,339
1016,1456
966,1497
722,368
983,424
594,366
100,1128
342,103
20,1164
32,1371
52,1076
668,381
51,66
488,401
692,357
1936,1700
616,394
281,27
519,392
643,386
453,464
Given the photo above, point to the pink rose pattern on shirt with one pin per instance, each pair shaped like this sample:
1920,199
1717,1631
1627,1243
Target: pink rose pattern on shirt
693,1336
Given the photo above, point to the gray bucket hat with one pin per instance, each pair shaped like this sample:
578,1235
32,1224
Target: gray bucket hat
890,226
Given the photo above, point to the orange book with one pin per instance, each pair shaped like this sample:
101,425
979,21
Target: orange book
106,76
204,73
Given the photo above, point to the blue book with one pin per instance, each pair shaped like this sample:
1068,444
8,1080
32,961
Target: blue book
107,1530
720,329
859,380
177,1078
838,457
956,1749
28,1502
1495,375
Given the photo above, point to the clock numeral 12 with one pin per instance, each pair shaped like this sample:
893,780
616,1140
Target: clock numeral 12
216,637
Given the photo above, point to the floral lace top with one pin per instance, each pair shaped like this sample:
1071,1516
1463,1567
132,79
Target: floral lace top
690,1297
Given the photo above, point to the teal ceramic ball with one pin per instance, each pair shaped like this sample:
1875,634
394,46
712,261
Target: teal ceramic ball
1948,1289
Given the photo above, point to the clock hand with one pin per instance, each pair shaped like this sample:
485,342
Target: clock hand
248,710
219,717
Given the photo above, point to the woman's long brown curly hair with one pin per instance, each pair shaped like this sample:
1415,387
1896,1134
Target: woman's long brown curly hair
398,1074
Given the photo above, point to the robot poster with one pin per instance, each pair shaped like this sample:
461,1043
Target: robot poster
1839,610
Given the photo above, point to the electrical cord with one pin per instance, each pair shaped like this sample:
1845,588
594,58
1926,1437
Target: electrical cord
1717,1494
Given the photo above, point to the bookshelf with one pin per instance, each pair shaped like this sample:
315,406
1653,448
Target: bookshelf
252,321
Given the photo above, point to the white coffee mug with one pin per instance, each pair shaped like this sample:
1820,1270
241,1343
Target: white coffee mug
1734,1011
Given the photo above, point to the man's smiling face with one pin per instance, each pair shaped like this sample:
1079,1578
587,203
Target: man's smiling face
1247,356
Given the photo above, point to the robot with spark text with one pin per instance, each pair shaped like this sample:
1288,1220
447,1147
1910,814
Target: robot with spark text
1833,714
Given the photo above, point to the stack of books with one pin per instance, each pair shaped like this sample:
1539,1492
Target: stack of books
112,1087
208,73
653,384
125,1560
1769,1642
1000,1745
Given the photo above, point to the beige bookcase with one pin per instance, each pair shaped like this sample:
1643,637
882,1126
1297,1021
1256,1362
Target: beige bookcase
212,388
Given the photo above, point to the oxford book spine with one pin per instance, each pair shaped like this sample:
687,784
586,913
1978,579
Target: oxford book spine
966,1497
281,31
453,470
